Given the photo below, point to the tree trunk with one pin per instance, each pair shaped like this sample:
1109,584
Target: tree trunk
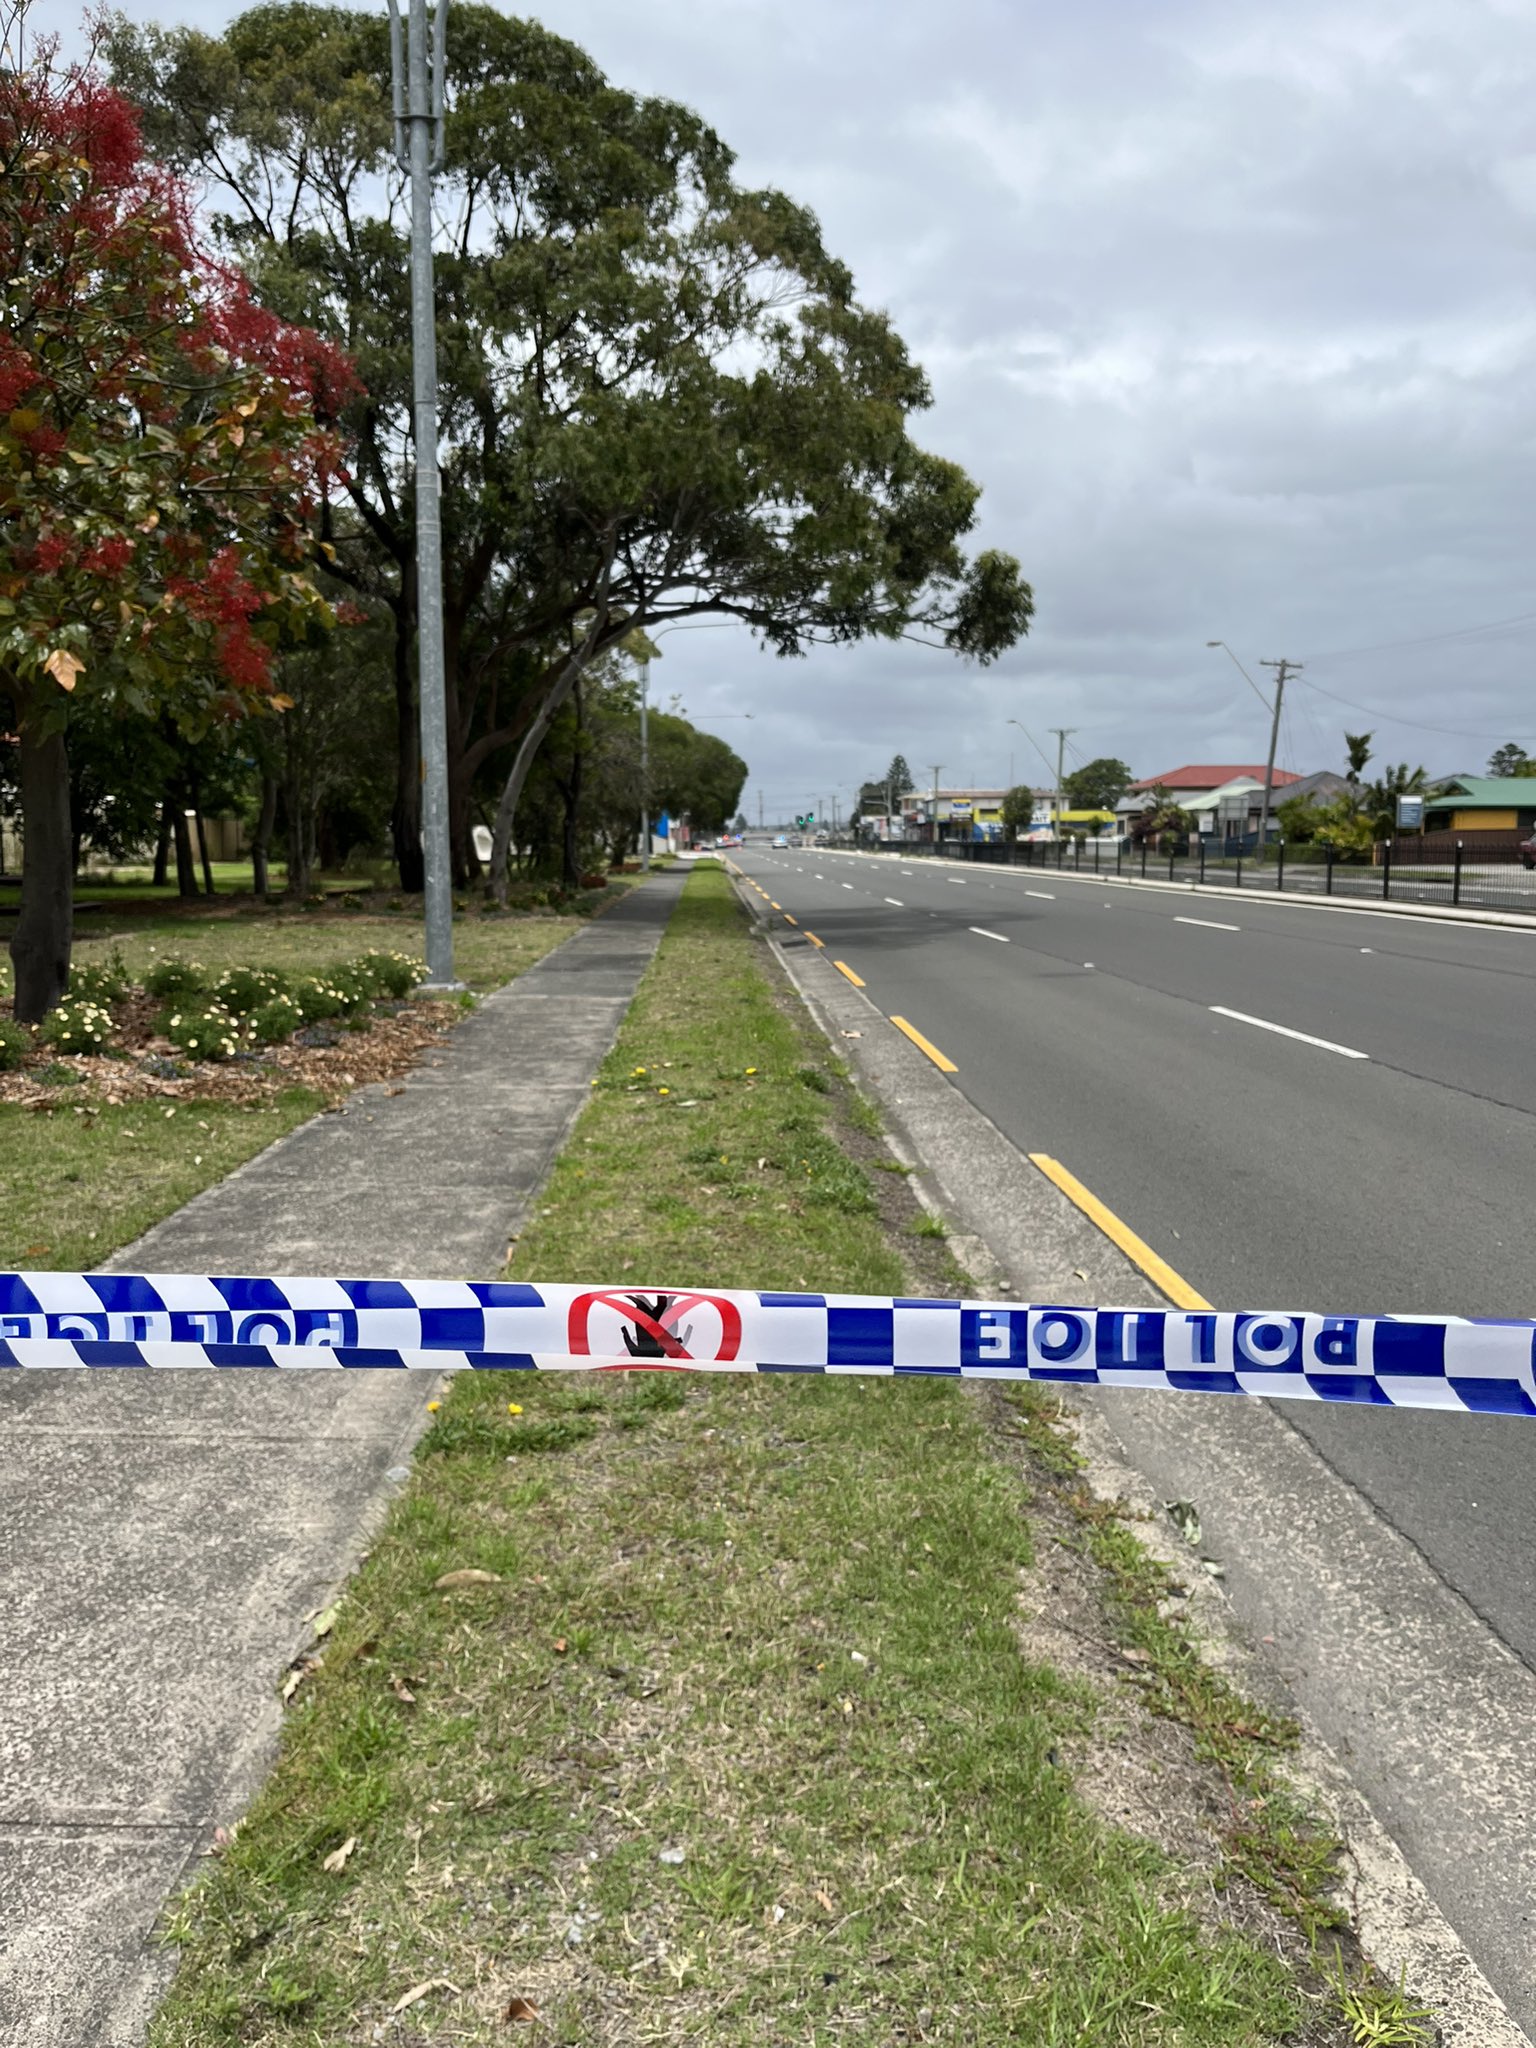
532,740
40,943
195,789
405,818
163,844
261,844
186,867
570,796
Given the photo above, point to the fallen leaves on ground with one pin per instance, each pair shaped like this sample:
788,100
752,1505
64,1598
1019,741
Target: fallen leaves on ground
337,1860
468,1577
520,2009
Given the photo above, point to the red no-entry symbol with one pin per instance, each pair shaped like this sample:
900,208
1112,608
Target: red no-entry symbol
649,1326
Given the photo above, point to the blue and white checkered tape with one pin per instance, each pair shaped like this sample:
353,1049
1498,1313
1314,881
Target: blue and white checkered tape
177,1320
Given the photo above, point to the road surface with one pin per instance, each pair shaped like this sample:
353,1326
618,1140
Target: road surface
1296,1107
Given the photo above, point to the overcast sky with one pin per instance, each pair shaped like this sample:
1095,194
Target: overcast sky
1227,304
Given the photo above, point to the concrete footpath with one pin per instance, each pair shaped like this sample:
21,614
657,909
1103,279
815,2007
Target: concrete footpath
167,1538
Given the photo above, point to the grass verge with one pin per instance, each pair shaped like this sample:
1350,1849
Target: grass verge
726,1736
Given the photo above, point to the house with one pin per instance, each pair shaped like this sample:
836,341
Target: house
1323,788
1226,801
1199,779
1482,803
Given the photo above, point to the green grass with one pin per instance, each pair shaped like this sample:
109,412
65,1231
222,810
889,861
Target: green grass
83,1181
737,1747
75,1184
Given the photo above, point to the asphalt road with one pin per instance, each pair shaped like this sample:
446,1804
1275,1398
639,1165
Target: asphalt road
1271,1172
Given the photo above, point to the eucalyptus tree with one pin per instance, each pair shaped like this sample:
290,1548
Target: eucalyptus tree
660,394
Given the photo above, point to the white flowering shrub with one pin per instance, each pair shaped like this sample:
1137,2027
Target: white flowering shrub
77,1026
276,1021
244,990
392,974
204,1031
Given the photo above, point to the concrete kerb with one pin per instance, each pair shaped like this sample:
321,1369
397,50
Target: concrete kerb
1432,913
1027,1238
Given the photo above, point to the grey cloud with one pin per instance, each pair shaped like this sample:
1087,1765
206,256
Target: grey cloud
1227,303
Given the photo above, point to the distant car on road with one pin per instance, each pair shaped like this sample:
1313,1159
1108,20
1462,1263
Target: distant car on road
795,839
779,839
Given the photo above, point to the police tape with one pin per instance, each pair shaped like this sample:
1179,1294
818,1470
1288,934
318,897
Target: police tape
176,1321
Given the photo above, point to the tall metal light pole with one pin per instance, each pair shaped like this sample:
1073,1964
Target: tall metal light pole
418,105
645,764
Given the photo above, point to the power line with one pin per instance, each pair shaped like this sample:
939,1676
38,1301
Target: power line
1397,718
1427,639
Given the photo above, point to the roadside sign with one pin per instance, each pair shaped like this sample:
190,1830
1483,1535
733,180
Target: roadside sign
1410,814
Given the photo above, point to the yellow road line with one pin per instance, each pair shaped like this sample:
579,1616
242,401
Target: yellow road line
842,969
1136,1249
814,940
945,1066
790,920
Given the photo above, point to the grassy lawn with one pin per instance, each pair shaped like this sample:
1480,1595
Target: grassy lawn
729,1738
75,1185
85,1176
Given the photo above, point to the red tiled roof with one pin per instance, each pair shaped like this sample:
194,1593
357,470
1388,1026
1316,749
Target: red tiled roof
1206,775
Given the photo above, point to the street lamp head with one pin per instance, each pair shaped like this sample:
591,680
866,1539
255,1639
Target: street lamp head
1215,643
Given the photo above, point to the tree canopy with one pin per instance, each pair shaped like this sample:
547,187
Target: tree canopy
660,394
1098,786
163,449
1510,759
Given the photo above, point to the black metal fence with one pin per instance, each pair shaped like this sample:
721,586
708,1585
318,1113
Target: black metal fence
1400,873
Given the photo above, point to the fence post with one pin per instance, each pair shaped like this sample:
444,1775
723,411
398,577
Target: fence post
1172,852
1202,857
1095,856
1386,870
1143,860
1280,866
1061,853
1456,876
1327,867
1239,864
1119,854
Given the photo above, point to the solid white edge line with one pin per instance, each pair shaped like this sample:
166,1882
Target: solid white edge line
1347,1052
981,933
896,902
1040,895
1209,924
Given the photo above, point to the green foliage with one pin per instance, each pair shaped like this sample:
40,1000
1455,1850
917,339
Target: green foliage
103,982
243,990
1511,759
661,394
392,974
275,1022
354,988
1357,749
174,976
15,1044
1097,787
1018,809
318,998
202,1029
1298,818
77,1026
1161,819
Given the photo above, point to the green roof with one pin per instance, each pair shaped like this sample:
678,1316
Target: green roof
1495,792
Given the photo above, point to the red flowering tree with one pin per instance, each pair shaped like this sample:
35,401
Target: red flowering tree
163,443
